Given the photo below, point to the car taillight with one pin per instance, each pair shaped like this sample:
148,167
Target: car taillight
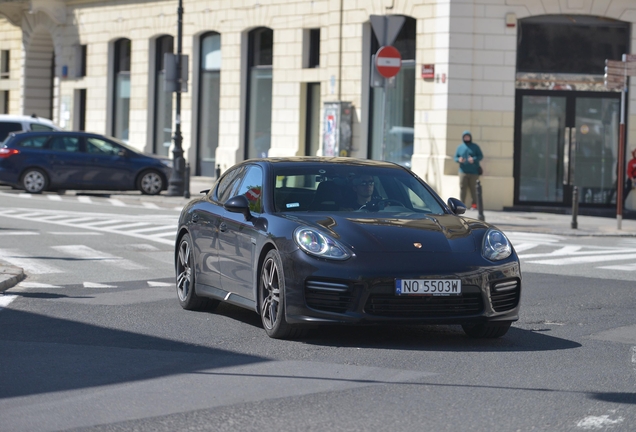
6,152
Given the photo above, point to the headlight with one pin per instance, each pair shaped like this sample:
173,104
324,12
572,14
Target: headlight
496,246
320,245
166,162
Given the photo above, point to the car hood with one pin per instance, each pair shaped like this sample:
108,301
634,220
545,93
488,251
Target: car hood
424,233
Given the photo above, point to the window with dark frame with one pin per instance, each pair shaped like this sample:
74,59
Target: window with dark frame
163,100
313,54
121,88
5,68
259,92
81,60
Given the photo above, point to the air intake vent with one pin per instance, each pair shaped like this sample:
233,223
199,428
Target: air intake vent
328,296
424,307
505,295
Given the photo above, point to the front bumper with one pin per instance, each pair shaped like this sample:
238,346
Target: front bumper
362,289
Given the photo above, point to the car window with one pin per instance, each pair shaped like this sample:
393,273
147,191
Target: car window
38,142
65,144
229,184
102,147
40,127
343,188
7,128
252,187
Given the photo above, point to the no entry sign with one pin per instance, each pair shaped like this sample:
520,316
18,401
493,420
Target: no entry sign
388,61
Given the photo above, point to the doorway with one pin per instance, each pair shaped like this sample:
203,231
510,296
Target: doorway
565,139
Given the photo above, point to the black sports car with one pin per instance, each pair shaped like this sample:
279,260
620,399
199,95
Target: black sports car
307,241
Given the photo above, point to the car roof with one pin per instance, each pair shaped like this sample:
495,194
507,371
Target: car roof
294,160
24,118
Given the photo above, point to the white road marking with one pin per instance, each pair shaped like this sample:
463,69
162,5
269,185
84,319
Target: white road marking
155,228
28,263
87,253
585,259
520,237
150,205
116,202
159,284
131,225
625,267
25,195
97,285
524,246
83,233
6,300
84,199
598,422
36,285
54,197
143,247
566,250
20,233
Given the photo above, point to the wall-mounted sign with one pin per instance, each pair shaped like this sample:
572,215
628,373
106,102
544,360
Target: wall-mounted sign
428,71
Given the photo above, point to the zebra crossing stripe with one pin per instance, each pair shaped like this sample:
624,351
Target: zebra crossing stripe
18,233
131,225
116,202
566,250
626,267
6,300
84,199
54,197
25,195
86,253
525,246
150,205
586,259
30,264
97,285
156,228
159,284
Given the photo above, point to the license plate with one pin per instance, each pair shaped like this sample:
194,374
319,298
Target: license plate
428,287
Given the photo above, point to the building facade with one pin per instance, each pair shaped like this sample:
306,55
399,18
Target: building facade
524,76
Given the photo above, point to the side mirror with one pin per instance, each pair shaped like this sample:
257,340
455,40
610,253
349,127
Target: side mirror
456,206
239,204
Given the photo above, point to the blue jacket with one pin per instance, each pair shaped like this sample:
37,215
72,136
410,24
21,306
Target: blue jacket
468,149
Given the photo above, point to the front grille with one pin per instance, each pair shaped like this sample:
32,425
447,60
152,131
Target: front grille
390,305
328,296
505,295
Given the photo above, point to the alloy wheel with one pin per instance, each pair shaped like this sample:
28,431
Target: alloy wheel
270,304
184,270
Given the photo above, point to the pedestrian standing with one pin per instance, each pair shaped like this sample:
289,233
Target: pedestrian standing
468,156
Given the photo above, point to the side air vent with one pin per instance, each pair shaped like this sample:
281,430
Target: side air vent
328,296
505,295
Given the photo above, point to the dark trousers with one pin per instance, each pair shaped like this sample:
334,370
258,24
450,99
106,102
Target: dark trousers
468,182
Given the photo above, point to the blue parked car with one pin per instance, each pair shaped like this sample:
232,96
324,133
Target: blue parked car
38,161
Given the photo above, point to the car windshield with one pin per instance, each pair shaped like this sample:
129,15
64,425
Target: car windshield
347,188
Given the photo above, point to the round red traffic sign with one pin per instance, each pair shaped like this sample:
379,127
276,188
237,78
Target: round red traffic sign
388,61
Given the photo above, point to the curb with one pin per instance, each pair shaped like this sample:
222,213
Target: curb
10,276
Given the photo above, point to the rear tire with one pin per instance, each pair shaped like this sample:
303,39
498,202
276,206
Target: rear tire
34,180
488,330
150,183
271,295
186,273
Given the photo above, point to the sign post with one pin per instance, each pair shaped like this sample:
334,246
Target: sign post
616,73
387,60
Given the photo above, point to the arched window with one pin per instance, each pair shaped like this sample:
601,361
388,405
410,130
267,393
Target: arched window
121,89
162,137
394,142
209,94
259,92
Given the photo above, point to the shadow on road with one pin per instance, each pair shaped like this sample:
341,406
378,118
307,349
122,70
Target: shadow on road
46,354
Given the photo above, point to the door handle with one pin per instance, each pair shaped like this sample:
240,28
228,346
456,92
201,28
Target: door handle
223,227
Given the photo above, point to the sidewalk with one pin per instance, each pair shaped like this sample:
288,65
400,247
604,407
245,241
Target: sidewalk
546,223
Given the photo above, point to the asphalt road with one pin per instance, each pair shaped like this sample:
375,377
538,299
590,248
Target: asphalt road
94,339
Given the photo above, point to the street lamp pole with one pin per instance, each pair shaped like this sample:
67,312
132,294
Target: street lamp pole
176,182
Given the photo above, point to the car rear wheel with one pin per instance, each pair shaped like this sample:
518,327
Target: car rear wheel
150,183
489,330
188,299
271,291
34,180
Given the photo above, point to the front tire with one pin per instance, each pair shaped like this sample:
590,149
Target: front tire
34,180
185,270
271,293
488,330
150,183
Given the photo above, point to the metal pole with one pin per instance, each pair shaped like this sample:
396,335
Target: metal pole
480,202
175,185
620,181
385,89
575,207
186,188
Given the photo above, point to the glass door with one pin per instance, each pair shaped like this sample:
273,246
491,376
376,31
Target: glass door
562,140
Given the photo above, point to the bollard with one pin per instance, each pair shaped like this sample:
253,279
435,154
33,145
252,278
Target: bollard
575,207
186,183
480,202
218,171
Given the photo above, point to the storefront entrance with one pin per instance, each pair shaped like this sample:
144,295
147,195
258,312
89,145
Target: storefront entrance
565,139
